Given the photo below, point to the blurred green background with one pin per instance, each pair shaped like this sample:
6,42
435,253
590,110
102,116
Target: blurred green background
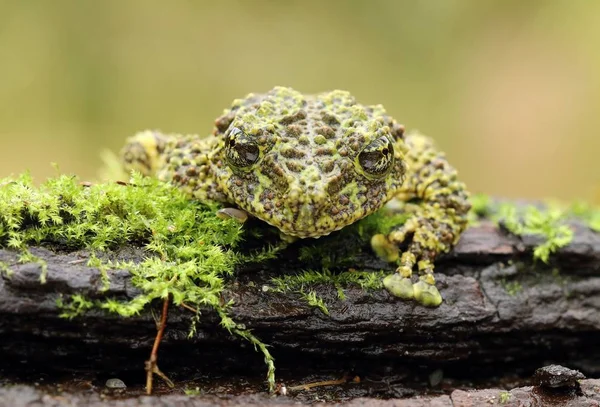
509,89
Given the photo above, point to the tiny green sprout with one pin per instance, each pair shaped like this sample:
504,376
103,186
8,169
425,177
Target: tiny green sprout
103,267
77,305
27,257
504,397
5,269
315,301
588,213
193,392
481,206
512,287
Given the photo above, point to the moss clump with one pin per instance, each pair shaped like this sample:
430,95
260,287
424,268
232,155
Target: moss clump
549,222
190,250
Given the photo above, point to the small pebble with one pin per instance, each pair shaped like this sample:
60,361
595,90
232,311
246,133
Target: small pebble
115,384
555,376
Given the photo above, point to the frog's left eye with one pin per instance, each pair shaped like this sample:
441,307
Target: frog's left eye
241,151
377,158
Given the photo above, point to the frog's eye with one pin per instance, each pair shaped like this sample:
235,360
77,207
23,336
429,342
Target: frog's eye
241,151
377,158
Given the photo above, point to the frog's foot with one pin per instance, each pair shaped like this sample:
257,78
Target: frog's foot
400,284
423,291
233,213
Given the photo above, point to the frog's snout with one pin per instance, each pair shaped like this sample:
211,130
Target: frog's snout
308,195
308,203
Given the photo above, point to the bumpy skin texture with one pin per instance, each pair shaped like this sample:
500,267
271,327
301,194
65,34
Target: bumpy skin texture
312,164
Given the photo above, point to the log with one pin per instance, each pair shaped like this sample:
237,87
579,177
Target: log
503,314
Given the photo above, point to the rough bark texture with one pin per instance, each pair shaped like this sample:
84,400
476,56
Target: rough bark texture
480,331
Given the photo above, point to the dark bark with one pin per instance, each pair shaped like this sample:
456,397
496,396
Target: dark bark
479,332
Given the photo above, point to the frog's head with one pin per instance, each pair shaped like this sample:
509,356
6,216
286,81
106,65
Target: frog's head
308,165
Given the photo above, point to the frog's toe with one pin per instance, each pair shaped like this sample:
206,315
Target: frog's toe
427,294
233,213
399,286
384,249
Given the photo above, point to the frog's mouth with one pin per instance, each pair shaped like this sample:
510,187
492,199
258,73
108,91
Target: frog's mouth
308,213
310,219
312,212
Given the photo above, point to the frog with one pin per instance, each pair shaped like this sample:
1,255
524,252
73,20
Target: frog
312,164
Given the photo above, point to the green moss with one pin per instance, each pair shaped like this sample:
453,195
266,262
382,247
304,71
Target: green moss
190,250
504,397
314,300
27,257
239,330
588,213
75,306
303,283
196,391
511,287
367,280
5,269
481,206
103,267
548,222
338,253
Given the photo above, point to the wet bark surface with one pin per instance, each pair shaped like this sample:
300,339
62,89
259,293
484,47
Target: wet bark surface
503,316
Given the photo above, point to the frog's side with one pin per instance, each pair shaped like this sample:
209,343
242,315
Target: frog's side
312,164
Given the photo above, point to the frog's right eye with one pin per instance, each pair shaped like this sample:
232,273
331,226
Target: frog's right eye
240,150
377,158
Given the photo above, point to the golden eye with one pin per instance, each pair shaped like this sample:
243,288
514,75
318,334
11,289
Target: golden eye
241,151
377,158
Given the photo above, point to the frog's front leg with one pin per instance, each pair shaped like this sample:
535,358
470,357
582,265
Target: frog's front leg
438,204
